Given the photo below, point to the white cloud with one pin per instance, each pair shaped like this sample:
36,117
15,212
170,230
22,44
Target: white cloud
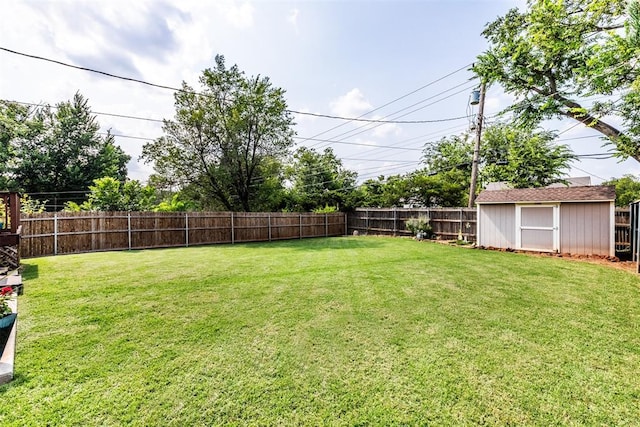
351,104
304,118
240,15
293,17
385,130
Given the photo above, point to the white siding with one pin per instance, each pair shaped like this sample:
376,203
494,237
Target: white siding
496,225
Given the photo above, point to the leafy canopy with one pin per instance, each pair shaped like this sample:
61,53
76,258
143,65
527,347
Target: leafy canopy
520,157
627,189
319,180
56,149
109,194
556,53
226,141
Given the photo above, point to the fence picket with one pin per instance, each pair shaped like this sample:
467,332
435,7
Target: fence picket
59,233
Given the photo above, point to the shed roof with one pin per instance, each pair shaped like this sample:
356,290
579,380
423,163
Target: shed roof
595,193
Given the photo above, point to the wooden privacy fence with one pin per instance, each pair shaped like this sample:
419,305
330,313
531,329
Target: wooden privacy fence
634,233
74,232
447,223
623,230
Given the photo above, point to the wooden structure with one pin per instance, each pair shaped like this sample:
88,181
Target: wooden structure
623,232
575,220
447,223
57,233
634,232
10,229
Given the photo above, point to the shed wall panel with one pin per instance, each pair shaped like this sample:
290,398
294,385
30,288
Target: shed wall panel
585,228
497,226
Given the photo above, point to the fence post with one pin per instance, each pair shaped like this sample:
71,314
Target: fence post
301,226
269,227
395,221
326,225
186,229
346,226
366,221
129,229
233,236
55,234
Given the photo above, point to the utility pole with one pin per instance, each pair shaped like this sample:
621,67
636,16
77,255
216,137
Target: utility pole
476,149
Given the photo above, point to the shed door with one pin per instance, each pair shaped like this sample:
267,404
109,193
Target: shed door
537,227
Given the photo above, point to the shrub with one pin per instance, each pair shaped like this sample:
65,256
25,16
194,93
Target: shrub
422,225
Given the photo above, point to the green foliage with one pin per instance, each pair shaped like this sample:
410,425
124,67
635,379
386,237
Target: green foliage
175,204
326,209
523,157
627,189
633,24
108,194
319,179
15,124
556,53
5,295
225,140
420,226
445,189
30,205
450,153
59,149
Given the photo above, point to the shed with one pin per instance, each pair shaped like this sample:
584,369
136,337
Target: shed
576,220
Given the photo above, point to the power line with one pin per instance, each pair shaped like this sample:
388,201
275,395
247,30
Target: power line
97,113
130,79
396,99
589,173
366,129
331,141
356,119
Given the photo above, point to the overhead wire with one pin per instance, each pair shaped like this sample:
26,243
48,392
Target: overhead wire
378,122
366,128
396,99
192,92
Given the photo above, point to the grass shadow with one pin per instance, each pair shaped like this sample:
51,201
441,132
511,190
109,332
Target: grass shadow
30,271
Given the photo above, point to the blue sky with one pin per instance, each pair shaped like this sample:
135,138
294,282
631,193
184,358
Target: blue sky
340,58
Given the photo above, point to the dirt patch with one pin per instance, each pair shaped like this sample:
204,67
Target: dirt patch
609,261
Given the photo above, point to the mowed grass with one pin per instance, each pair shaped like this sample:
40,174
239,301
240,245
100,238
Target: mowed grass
342,331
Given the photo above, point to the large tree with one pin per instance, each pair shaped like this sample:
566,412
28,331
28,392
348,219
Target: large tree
522,157
319,180
15,124
556,53
225,138
56,149
422,188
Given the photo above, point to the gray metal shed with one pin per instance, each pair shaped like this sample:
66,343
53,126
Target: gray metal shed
575,220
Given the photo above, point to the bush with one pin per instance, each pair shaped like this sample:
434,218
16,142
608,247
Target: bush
326,209
421,225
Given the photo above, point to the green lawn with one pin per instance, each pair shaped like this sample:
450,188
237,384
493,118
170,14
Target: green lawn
342,331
